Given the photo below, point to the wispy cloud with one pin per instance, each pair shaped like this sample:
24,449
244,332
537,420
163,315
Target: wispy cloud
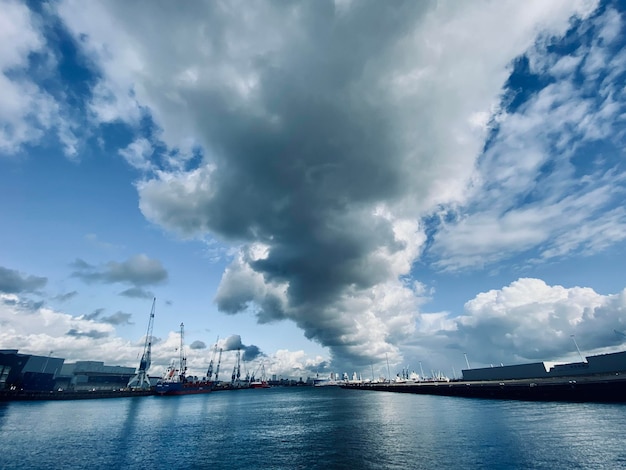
118,318
13,282
28,111
137,293
139,270
67,296
551,179
95,334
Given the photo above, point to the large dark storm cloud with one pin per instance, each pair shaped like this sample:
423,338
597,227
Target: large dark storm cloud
327,130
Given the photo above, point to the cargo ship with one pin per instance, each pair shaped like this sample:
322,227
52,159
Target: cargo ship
175,380
600,378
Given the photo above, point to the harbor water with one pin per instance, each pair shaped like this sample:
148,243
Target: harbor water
310,428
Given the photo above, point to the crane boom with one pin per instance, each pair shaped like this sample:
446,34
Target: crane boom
141,379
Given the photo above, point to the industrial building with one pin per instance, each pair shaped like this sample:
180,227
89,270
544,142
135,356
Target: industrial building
600,364
27,371
42,373
93,375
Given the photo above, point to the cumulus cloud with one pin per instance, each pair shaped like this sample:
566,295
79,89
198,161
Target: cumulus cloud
33,328
139,270
326,135
13,282
250,353
531,320
38,329
234,343
297,364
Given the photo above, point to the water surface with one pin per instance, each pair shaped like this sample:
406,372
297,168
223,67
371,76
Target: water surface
310,428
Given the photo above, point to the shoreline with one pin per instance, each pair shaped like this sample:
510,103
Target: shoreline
23,395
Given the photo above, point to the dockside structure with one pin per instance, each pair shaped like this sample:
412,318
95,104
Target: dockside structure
33,373
600,378
592,365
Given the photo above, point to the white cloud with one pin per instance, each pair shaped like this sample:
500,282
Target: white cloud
34,329
39,330
528,192
326,144
19,37
138,154
179,200
531,320
296,364
27,111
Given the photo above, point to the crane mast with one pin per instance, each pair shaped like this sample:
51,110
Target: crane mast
219,361
209,372
183,357
141,379
237,368
238,364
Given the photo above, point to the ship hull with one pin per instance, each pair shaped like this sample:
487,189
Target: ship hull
259,385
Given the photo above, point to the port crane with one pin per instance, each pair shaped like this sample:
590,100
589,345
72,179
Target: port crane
237,368
141,379
183,357
209,372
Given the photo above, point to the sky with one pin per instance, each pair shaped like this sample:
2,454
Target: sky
328,186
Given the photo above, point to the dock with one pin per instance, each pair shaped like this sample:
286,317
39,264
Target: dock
596,388
23,395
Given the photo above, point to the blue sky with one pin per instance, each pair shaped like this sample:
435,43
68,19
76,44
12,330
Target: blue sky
328,186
